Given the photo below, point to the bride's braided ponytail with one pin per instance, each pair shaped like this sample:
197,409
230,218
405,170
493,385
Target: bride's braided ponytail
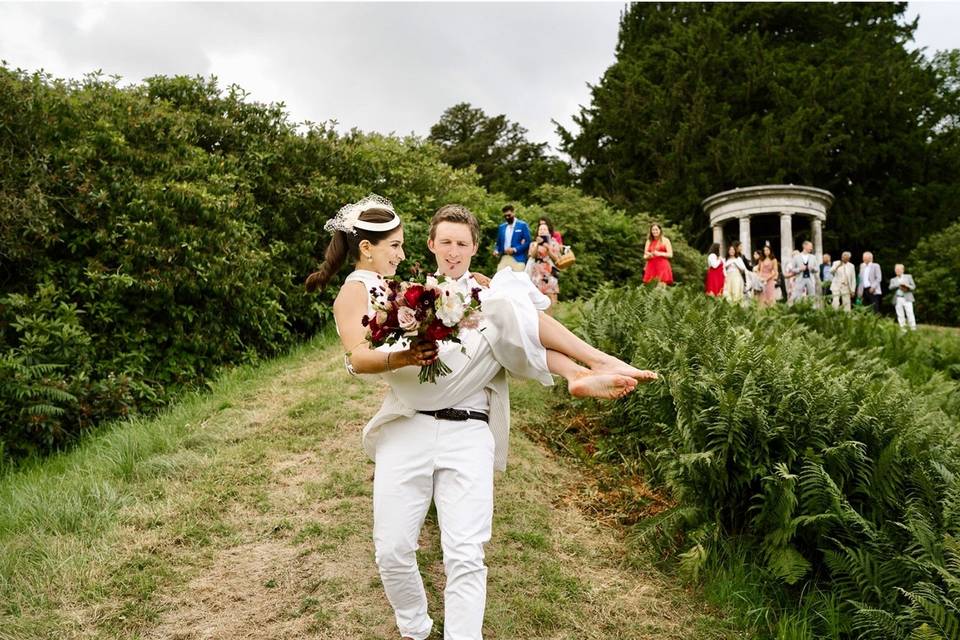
345,244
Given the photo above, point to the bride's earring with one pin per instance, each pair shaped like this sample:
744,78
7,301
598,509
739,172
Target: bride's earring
369,258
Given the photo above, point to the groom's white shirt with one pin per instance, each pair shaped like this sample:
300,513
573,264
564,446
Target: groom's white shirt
496,389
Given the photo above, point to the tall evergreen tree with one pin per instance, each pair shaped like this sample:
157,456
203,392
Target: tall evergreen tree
707,97
506,161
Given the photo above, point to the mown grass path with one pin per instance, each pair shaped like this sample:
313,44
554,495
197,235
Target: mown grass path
245,513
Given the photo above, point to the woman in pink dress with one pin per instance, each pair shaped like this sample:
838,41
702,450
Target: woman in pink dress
715,276
769,272
553,232
544,253
657,252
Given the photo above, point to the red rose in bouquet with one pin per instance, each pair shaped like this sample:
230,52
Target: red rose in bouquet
437,331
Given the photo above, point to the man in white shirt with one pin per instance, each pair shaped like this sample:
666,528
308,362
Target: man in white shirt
868,289
805,281
844,283
445,445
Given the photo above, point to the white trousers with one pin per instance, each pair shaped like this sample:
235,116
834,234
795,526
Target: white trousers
417,459
843,298
905,313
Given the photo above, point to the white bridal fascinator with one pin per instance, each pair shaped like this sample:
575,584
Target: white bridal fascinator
348,217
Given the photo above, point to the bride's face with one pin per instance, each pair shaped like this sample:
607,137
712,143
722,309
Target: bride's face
387,254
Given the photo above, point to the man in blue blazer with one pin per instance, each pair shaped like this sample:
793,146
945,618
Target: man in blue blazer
513,241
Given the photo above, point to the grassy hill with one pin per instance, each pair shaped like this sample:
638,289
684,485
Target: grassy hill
245,512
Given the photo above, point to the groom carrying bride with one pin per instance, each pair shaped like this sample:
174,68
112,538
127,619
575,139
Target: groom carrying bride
442,442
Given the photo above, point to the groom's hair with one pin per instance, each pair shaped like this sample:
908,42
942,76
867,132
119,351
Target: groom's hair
459,214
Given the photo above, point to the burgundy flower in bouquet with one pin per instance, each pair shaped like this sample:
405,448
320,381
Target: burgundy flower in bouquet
413,310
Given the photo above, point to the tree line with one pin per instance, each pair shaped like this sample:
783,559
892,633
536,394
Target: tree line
151,234
705,97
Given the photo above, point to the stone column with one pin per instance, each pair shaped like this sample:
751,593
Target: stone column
718,238
816,228
786,236
745,236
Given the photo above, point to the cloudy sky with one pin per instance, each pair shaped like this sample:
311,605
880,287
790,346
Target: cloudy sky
389,67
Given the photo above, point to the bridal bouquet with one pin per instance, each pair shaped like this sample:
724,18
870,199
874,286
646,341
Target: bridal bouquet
428,310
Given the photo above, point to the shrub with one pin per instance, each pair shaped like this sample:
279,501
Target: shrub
153,233
836,469
935,266
608,242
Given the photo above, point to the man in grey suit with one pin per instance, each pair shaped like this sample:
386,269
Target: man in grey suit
807,270
903,286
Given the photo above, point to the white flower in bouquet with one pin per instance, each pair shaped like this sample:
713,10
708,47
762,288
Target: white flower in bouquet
450,303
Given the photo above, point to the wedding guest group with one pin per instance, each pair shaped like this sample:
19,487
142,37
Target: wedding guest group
807,277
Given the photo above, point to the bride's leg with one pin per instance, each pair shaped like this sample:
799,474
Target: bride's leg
584,383
556,337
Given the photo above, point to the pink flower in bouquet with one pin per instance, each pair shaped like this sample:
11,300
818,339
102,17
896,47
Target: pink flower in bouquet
407,319
471,320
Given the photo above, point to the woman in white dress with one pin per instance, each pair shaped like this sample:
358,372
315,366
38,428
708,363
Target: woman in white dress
734,273
421,450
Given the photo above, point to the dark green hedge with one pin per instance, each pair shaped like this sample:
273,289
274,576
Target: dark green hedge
153,233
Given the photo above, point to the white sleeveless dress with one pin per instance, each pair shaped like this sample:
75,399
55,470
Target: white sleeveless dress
508,338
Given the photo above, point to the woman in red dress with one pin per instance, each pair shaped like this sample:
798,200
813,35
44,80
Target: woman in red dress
657,252
715,276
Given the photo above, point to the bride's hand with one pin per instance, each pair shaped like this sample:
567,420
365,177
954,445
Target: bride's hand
481,279
420,354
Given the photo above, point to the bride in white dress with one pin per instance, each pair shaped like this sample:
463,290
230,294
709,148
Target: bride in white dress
421,450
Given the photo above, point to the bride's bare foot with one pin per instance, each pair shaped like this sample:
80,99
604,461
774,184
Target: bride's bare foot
612,365
606,386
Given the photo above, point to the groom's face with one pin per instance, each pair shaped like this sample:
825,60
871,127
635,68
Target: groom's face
453,245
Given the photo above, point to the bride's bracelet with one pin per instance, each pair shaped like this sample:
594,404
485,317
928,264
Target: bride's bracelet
388,361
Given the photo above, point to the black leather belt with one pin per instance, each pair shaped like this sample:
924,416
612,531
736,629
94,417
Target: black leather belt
457,414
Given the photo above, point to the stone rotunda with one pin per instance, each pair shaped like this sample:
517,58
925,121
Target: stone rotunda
763,204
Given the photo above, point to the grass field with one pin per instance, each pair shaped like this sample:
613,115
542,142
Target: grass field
244,512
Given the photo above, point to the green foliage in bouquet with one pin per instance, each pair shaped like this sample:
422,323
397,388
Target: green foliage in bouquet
837,467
